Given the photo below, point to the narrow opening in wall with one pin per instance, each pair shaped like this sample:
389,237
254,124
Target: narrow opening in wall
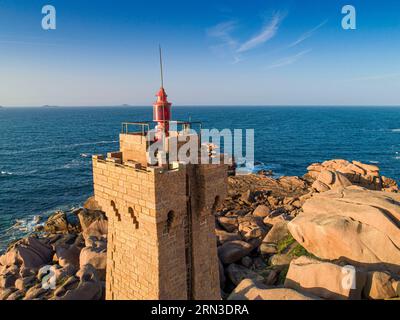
134,219
168,223
117,214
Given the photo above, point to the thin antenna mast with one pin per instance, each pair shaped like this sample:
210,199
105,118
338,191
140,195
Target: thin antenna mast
161,68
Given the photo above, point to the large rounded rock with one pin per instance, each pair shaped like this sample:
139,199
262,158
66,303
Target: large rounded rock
224,236
92,204
57,222
319,186
352,224
328,180
324,279
247,197
16,295
87,217
379,286
5,293
337,237
327,177
87,288
233,251
261,211
380,210
65,272
251,227
35,292
251,290
97,228
68,255
7,280
365,175
230,224
96,257
276,216
237,273
280,261
278,232
28,253
23,283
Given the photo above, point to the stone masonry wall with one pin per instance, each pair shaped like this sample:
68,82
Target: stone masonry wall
133,147
170,191
209,183
149,256
127,196
140,248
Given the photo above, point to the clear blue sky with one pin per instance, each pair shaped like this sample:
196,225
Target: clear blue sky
216,52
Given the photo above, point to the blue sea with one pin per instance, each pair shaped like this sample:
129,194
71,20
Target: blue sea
45,153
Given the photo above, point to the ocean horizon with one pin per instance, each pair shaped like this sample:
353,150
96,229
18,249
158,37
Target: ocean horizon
45,153
207,106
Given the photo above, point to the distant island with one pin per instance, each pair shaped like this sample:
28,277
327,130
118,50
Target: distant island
48,106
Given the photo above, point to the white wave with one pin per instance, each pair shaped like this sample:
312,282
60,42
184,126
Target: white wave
75,163
395,130
373,162
25,225
85,155
251,168
22,173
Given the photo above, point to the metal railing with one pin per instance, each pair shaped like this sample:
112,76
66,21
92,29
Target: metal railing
146,126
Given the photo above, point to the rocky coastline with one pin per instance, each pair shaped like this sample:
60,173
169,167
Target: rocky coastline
333,233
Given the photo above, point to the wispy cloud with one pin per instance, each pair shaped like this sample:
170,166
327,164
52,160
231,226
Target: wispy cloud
288,60
307,34
222,31
228,44
266,33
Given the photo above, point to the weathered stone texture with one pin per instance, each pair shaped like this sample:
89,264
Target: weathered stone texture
161,229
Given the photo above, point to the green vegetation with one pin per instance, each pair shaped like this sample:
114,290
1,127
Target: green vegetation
296,251
284,243
299,251
282,275
288,246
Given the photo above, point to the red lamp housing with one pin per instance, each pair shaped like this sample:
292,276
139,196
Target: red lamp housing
162,112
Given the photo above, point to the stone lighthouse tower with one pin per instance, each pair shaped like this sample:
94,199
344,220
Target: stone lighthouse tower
161,237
